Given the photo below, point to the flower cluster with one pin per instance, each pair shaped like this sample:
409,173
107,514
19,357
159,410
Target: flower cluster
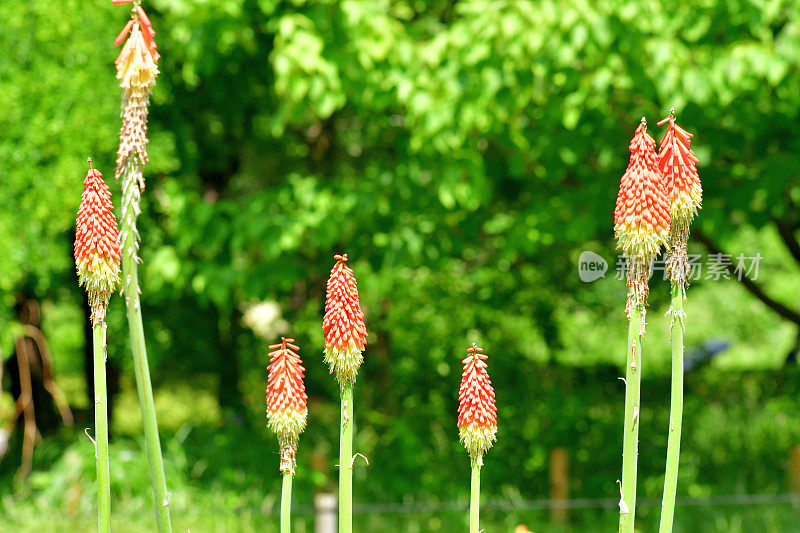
137,70
641,217
477,414
343,324
136,63
677,164
97,246
287,410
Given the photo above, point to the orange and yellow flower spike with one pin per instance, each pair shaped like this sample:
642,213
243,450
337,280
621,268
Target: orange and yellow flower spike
343,324
137,69
477,413
287,410
641,217
641,225
677,164
345,340
97,258
97,245
477,422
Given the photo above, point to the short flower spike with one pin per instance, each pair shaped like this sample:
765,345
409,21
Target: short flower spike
97,245
477,414
641,217
287,409
677,164
343,324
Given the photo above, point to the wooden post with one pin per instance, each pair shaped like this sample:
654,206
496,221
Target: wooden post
794,469
326,507
559,485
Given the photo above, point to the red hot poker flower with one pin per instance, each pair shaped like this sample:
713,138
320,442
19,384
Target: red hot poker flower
287,408
343,324
477,413
641,217
286,393
97,245
677,164
137,68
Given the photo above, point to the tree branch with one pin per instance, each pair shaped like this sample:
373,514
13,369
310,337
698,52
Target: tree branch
786,231
750,285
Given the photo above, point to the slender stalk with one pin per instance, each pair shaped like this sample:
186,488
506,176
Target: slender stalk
101,429
142,372
675,411
346,463
286,503
630,443
475,495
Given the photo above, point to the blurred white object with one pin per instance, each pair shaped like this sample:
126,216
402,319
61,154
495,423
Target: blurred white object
326,506
3,442
264,318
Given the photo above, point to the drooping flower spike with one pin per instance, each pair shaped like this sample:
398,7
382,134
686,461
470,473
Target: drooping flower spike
641,217
136,62
343,324
137,68
287,408
477,413
97,245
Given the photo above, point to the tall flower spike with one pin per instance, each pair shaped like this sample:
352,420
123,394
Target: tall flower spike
343,324
677,164
477,414
137,70
641,216
286,399
97,245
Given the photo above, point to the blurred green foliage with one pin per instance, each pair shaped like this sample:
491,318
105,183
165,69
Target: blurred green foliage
463,154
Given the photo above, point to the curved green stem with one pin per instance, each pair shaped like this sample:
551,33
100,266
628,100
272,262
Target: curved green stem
675,411
101,429
630,443
346,463
286,503
141,369
475,495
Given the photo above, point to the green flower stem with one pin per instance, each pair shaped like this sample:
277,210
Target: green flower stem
142,372
286,503
630,443
346,462
675,411
101,429
475,494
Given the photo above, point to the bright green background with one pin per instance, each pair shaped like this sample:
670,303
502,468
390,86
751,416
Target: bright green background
463,154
